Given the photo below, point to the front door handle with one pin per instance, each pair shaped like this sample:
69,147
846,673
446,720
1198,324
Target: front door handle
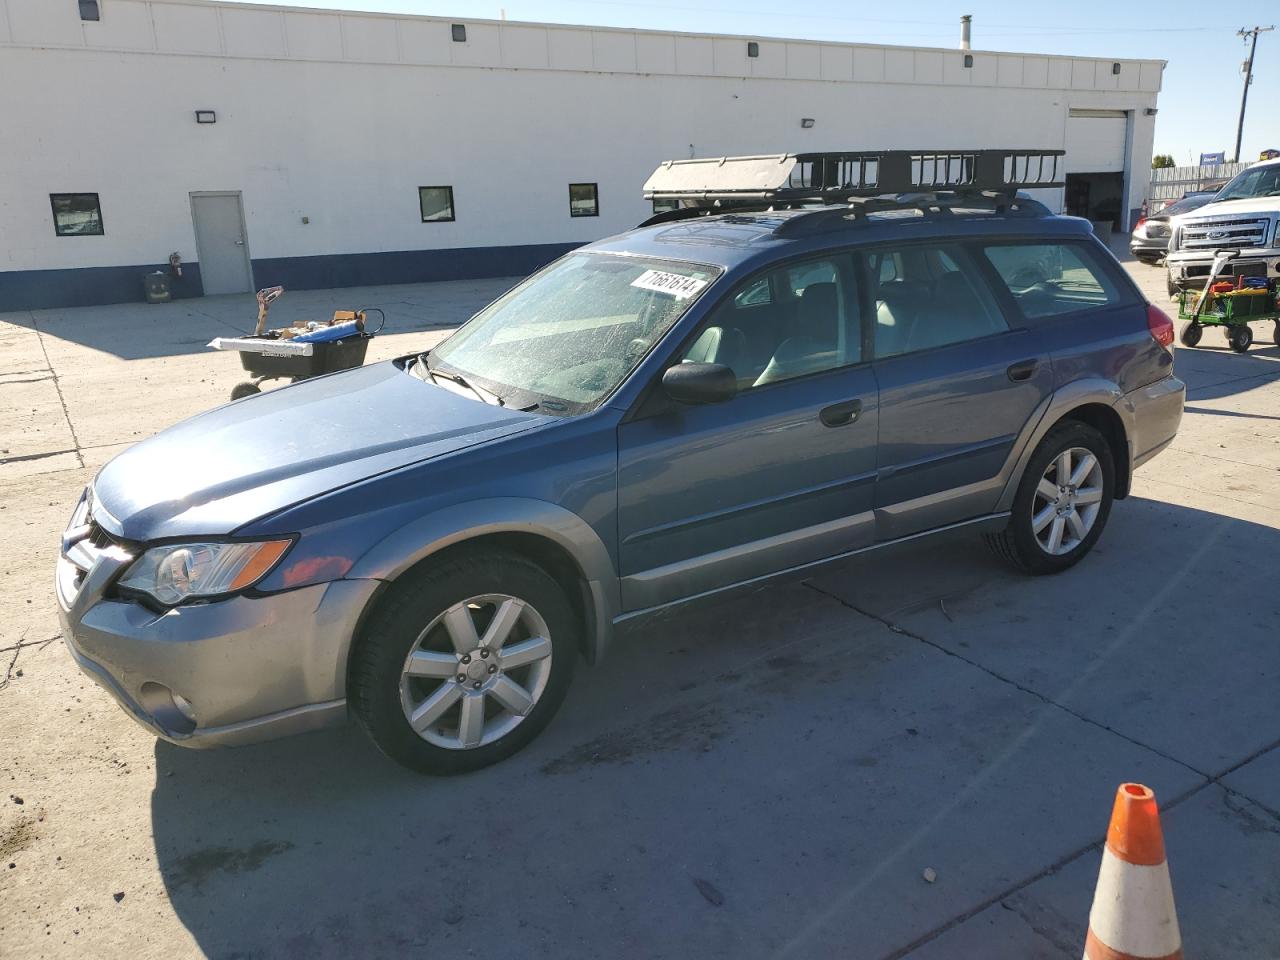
1022,370
838,414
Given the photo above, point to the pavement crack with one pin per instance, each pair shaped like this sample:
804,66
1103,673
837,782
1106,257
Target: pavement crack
897,628
57,385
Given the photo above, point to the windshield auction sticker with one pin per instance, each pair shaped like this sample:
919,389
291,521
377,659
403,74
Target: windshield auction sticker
678,286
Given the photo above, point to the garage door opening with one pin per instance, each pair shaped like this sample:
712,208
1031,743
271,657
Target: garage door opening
1096,197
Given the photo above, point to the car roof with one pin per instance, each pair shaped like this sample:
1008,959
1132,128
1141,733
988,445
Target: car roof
730,240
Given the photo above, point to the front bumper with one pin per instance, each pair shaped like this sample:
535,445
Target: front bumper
225,673
1189,270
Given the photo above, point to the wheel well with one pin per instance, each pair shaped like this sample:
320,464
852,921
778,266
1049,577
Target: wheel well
547,554
1108,423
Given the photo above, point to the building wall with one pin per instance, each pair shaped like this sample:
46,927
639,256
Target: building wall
339,118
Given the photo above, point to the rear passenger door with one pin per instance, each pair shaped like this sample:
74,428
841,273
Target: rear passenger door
958,383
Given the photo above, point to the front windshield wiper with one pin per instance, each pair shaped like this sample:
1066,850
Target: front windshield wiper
435,373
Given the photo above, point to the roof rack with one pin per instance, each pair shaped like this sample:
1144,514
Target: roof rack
833,177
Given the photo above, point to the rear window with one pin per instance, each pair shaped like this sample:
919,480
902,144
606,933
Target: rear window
1053,278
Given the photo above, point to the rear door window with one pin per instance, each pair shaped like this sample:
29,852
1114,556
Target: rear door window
1048,279
934,295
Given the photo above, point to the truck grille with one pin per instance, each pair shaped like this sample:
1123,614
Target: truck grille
1223,233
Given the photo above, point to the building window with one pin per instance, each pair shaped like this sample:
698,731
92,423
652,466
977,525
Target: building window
968,60
665,206
76,214
753,49
89,10
459,31
584,200
436,204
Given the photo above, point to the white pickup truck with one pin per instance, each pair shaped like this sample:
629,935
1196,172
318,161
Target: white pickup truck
1244,217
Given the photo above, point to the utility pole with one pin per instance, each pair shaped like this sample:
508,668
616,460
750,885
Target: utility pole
1252,37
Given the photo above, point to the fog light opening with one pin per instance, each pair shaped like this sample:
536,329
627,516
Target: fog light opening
171,711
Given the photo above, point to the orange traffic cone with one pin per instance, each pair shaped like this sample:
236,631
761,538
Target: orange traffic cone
1133,917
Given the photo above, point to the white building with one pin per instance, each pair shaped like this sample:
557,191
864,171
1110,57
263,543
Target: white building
279,145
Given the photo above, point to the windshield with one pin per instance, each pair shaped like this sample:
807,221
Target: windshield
570,334
1254,182
1187,204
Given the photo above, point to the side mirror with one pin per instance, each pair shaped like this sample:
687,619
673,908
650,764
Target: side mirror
700,383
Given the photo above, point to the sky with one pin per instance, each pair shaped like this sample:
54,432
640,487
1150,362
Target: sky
1199,103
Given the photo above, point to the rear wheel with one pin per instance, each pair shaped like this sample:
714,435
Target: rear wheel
246,389
1191,334
464,663
1240,337
1062,503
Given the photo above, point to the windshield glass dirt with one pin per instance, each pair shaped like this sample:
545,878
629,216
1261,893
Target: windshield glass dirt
575,330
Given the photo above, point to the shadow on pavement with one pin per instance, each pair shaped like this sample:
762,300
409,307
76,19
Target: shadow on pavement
765,777
135,331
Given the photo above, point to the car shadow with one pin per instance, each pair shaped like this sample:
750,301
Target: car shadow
723,765
140,331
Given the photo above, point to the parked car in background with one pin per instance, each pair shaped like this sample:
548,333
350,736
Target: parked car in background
1244,216
696,406
1150,237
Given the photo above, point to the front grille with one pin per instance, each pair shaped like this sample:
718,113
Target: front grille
99,537
1224,232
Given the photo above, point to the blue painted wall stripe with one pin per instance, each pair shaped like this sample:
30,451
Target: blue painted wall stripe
91,286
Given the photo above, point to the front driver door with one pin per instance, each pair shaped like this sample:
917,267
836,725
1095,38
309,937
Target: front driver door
779,476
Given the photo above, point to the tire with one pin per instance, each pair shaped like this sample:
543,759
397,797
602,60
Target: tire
1191,334
1240,337
382,696
1019,543
1171,287
246,389
1275,334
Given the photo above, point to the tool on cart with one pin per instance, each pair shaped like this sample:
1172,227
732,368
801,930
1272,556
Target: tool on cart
1230,301
302,350
266,297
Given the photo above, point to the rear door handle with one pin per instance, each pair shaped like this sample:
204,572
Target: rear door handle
1022,370
838,414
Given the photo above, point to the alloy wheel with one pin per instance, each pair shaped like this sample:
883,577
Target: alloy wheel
1067,500
476,671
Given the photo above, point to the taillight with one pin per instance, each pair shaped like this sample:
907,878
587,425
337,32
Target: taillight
1160,325
1139,225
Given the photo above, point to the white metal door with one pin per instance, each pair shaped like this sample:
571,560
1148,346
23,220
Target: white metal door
221,244
1095,141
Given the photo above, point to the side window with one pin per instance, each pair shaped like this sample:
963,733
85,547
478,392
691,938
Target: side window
1047,279
788,322
934,297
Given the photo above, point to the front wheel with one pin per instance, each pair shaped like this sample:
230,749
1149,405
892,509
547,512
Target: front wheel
1240,337
464,663
1062,502
1191,334
1171,287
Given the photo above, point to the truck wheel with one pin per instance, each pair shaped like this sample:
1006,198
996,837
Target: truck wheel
1062,502
246,389
1191,334
464,662
1240,337
1171,287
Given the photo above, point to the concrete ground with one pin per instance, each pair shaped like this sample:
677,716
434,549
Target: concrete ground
765,778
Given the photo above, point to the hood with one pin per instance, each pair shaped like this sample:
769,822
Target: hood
217,471
1223,207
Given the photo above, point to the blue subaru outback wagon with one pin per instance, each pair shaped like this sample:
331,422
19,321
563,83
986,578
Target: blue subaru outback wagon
791,368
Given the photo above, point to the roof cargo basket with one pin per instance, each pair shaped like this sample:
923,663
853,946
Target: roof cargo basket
833,177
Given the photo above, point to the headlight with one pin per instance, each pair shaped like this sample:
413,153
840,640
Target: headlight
181,571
